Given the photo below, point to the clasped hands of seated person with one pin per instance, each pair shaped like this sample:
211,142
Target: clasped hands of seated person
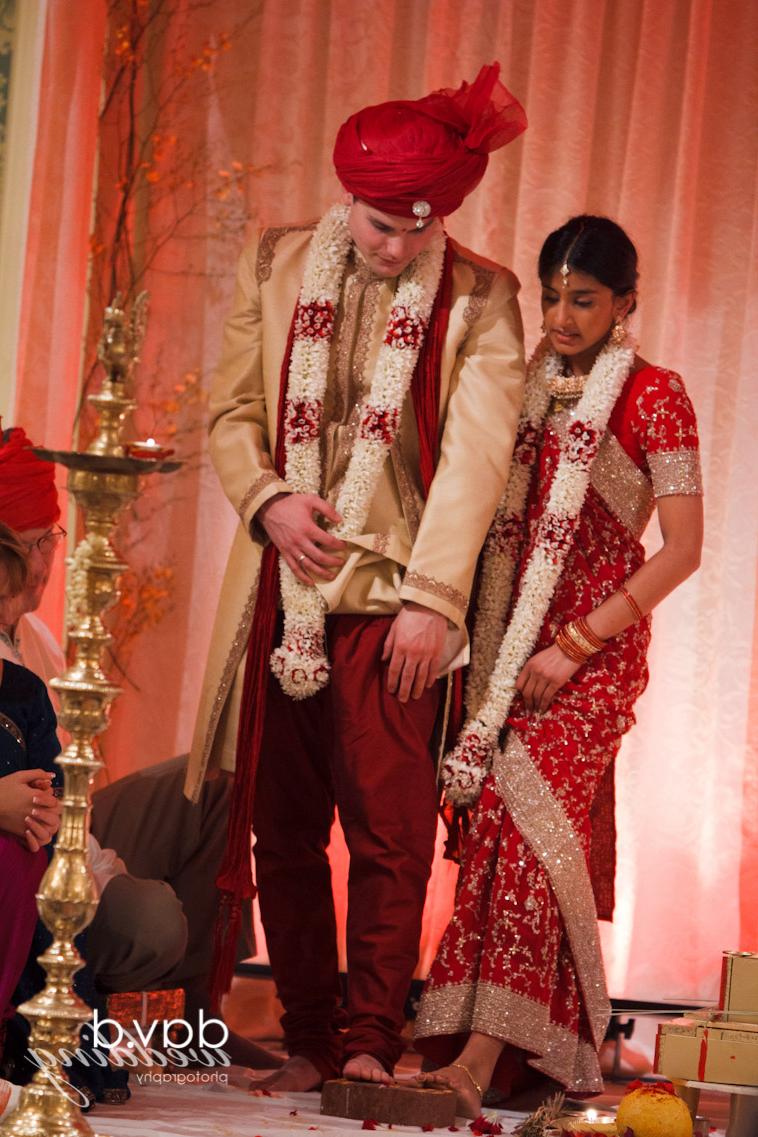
29,809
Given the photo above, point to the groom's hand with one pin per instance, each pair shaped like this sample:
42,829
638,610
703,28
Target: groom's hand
414,649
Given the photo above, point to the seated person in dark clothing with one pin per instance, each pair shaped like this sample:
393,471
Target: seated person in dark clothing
29,809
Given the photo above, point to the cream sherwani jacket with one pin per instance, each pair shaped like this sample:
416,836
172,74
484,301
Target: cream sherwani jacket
429,553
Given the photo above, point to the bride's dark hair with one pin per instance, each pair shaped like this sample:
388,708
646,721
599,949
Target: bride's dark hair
593,245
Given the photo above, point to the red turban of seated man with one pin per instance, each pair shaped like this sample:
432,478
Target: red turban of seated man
28,497
421,158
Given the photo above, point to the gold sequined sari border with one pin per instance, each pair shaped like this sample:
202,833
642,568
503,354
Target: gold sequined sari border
515,1019
676,472
623,487
541,820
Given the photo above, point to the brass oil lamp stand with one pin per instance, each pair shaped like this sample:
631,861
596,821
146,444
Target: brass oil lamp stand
103,480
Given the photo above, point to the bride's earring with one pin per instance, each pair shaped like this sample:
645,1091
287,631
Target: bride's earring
618,333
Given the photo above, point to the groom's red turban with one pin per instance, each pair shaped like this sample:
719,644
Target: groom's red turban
28,497
429,153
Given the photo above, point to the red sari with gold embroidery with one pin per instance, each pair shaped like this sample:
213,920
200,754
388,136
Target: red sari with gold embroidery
520,960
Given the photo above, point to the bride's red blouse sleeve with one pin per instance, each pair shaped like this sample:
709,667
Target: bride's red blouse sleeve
655,423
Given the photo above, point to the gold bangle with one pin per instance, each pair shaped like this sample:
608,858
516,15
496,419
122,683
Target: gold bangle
576,637
638,613
591,637
584,644
569,648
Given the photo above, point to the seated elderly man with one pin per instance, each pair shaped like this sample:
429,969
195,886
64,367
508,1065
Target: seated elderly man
155,875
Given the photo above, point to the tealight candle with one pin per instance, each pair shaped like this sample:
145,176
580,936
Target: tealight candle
148,448
589,1122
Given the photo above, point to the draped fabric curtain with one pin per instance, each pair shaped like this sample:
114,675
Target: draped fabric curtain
644,111
57,247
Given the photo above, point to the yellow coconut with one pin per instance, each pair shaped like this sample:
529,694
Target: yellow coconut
653,1111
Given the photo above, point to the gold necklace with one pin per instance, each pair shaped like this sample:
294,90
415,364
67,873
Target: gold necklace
566,390
569,386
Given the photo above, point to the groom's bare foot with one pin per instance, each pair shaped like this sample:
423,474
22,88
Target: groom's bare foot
365,1068
468,1101
298,1075
244,1052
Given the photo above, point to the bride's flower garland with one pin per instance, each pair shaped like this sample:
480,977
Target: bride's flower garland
301,663
500,654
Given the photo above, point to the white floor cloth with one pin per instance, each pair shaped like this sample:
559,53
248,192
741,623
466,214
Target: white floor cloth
192,1110
172,1110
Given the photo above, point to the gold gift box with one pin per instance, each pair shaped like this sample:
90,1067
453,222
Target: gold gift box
144,1007
707,1052
739,986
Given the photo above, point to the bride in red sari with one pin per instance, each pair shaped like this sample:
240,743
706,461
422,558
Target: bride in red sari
560,642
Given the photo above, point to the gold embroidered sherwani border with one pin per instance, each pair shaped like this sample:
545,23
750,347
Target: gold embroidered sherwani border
269,239
264,481
483,279
203,743
419,582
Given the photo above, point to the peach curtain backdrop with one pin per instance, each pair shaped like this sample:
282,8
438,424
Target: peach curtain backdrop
644,110
57,252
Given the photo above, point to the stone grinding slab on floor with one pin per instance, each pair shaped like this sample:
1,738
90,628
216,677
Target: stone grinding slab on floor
394,1105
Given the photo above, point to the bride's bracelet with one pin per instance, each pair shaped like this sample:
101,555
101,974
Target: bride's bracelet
578,641
581,625
567,646
637,611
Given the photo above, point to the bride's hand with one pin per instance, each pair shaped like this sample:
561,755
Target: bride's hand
543,675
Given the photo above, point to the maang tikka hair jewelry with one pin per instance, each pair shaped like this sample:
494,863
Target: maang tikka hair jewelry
565,267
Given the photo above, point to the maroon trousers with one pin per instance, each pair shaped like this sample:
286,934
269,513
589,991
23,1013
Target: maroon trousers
356,746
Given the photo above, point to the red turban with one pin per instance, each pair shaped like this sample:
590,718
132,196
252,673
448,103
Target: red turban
433,150
28,497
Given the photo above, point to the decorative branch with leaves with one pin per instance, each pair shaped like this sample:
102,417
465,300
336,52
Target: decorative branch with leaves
163,195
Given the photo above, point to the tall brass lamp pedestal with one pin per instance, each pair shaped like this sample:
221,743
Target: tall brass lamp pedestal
103,481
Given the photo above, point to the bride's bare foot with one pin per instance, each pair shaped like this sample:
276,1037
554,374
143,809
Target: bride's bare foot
467,1093
365,1068
298,1075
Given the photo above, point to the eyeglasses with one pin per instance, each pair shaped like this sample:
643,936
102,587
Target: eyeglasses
47,542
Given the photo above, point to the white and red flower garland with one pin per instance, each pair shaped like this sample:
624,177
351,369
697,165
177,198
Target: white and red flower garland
500,653
301,663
